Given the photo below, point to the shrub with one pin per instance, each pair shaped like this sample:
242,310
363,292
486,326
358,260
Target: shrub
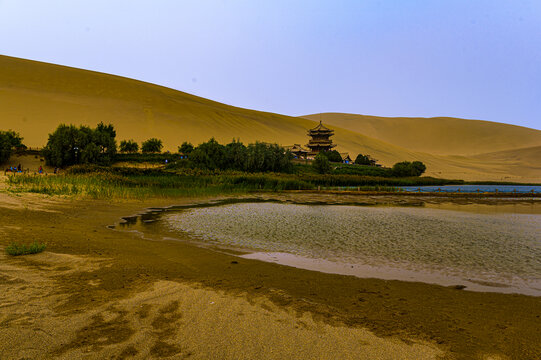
152,145
365,160
321,164
186,148
333,156
406,168
129,146
15,249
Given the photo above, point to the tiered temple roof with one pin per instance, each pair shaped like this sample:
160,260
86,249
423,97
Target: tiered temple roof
320,139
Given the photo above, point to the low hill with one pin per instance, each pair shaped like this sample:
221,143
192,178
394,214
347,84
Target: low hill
36,97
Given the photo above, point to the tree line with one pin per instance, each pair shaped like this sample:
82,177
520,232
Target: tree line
69,145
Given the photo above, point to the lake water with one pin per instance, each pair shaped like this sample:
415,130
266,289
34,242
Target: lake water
476,188
488,252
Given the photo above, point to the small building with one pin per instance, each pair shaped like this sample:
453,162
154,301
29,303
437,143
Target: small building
320,139
346,159
298,151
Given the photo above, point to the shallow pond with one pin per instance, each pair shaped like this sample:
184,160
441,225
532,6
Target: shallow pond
522,189
484,251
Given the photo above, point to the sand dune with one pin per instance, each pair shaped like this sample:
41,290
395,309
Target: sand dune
439,135
35,97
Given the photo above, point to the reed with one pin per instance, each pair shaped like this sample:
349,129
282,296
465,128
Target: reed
133,183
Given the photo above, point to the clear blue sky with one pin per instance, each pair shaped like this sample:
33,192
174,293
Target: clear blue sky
476,59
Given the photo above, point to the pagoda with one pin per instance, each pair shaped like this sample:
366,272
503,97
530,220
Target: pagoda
320,139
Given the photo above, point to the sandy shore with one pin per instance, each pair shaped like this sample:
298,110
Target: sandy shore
97,293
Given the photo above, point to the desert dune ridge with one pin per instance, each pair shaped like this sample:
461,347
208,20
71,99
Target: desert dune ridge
36,97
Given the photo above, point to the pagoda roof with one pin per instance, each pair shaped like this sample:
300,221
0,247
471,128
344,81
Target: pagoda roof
296,148
320,127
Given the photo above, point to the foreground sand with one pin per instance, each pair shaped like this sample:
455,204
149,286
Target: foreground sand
96,293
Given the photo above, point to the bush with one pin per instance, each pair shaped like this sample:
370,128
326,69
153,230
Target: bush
365,160
152,145
406,168
186,148
129,146
69,145
15,249
333,156
321,164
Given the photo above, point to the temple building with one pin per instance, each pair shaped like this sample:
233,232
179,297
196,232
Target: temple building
319,139
298,151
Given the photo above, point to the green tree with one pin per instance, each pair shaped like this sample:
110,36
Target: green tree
333,156
418,168
129,146
8,141
208,155
152,145
321,164
69,145
235,156
365,160
185,148
406,169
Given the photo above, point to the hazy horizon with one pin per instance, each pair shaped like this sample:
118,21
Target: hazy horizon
424,59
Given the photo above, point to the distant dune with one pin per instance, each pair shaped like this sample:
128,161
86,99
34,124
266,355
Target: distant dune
439,135
35,97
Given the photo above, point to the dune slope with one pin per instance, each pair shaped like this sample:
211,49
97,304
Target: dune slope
439,135
36,97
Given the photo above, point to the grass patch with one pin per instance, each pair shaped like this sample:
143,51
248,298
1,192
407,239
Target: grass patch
15,249
135,183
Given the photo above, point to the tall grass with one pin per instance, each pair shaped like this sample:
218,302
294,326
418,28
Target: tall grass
132,183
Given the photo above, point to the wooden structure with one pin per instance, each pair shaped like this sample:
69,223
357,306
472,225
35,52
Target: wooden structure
320,139
298,151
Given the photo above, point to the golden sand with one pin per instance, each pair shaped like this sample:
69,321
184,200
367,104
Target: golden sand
98,293
36,97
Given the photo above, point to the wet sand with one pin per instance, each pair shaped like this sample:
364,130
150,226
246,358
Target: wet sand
97,293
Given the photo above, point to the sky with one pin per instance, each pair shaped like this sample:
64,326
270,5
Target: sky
475,59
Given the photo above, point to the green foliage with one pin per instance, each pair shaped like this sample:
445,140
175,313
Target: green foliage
8,141
333,156
257,157
365,170
208,155
185,148
154,158
15,249
406,168
262,157
321,164
152,145
128,146
69,145
365,160
236,156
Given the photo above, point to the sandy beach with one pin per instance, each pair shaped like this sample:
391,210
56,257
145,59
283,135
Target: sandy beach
97,293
